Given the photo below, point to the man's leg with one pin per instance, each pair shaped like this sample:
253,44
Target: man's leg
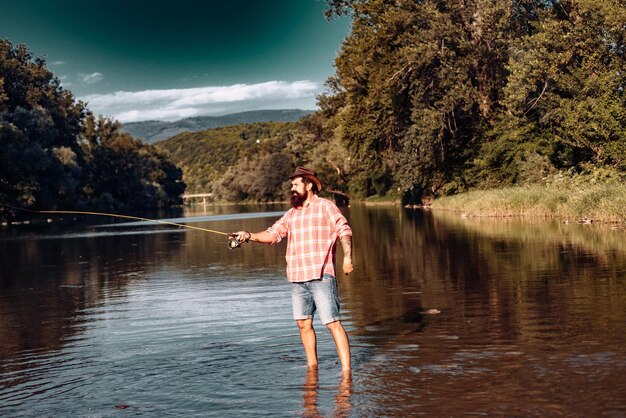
309,340
303,312
327,302
342,343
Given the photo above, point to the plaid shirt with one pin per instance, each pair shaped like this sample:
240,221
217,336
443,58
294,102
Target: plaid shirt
313,233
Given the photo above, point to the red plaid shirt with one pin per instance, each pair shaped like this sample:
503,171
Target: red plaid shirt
313,231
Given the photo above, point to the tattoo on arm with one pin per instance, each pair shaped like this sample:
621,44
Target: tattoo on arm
346,244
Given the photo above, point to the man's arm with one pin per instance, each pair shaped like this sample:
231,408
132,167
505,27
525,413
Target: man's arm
343,230
272,235
263,237
346,244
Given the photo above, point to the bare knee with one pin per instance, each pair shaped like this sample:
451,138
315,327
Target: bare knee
305,324
334,326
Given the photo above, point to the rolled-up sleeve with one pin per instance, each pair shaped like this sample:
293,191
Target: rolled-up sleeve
279,230
339,221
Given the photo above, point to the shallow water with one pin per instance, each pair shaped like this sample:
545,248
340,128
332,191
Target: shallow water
447,317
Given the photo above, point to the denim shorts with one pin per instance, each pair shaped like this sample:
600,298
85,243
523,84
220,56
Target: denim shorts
316,296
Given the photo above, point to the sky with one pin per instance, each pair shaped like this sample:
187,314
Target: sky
139,60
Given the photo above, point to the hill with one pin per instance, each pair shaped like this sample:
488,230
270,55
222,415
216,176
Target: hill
152,131
205,156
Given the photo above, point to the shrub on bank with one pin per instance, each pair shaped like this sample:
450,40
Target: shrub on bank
580,198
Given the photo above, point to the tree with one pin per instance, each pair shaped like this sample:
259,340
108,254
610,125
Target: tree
422,81
567,83
437,96
261,170
124,173
39,122
55,154
205,156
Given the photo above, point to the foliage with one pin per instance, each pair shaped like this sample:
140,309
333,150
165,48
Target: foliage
151,131
53,154
421,80
567,83
324,151
429,98
39,123
438,97
124,173
208,157
252,162
260,178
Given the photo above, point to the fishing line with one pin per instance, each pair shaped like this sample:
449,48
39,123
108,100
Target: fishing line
232,240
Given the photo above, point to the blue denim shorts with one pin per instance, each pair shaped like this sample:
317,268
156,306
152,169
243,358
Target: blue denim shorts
320,296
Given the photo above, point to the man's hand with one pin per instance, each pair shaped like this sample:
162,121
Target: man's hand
346,244
347,265
242,236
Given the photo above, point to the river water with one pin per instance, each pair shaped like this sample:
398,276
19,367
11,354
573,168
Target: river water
446,316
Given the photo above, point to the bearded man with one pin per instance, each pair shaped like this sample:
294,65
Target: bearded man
312,226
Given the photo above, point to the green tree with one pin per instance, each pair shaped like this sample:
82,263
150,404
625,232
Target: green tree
261,170
55,154
205,156
39,122
566,85
124,173
436,96
421,80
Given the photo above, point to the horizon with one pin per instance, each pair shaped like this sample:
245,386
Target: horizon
219,116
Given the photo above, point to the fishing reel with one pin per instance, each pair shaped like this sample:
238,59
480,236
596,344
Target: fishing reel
233,242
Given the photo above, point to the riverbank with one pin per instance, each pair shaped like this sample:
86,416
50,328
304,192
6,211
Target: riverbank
565,201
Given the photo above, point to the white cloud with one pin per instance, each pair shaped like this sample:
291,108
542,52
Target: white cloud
174,104
91,78
64,83
58,63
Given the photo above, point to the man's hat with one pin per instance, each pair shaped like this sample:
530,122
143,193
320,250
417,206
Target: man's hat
310,174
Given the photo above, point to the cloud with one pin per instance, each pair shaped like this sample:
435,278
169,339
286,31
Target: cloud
174,104
91,78
64,83
58,63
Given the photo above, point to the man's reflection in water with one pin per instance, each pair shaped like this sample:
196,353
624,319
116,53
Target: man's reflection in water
311,394
342,399
309,397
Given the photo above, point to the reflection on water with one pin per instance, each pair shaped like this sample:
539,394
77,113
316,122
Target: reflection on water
447,317
311,390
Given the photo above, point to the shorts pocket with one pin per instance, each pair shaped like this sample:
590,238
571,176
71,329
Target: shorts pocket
327,278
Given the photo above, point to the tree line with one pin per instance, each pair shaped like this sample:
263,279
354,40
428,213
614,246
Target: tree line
228,161
55,154
439,96
252,161
429,98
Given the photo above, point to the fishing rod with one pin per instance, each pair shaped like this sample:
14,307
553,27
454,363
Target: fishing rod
233,242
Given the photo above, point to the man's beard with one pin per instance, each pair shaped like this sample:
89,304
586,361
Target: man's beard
297,199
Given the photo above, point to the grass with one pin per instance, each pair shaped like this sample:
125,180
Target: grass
568,201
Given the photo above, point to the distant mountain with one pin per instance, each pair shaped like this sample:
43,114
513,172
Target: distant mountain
152,130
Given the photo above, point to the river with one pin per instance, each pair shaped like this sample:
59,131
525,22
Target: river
446,317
